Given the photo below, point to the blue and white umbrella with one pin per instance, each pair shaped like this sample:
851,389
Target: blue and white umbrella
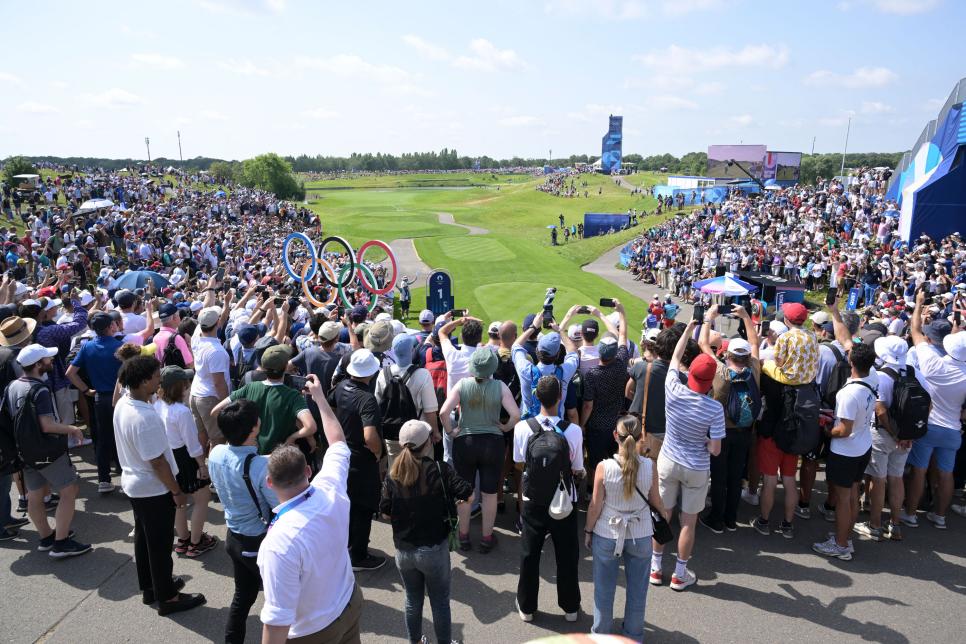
726,284
891,213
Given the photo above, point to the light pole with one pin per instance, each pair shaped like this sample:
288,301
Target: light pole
147,144
179,147
848,129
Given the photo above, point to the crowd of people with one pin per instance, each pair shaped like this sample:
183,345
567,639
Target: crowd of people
308,423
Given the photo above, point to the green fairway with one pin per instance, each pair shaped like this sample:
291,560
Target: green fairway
505,273
422,180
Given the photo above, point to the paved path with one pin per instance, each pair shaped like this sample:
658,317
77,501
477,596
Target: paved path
624,183
751,588
407,259
447,218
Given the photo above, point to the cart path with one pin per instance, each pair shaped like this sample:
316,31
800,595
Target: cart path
447,218
408,261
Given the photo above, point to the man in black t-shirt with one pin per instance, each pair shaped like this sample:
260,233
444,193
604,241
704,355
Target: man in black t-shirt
654,418
603,398
358,412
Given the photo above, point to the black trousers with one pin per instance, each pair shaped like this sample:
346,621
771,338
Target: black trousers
105,449
536,524
360,525
248,581
727,469
600,446
153,538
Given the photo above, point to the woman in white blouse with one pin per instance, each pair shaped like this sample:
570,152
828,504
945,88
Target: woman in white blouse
619,526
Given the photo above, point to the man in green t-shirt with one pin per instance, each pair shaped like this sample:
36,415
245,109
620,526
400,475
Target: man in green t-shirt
284,414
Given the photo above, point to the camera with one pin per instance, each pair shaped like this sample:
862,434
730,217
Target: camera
548,307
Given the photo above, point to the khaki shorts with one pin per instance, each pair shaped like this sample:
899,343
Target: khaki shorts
57,475
887,459
654,443
675,480
205,422
65,405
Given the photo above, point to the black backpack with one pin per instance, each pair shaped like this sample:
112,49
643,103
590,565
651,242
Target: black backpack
397,404
798,431
911,403
744,399
9,457
547,463
36,448
837,378
172,354
245,366
507,374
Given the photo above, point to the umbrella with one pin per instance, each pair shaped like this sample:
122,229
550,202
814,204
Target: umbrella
726,284
552,226
891,213
773,187
138,279
95,204
220,193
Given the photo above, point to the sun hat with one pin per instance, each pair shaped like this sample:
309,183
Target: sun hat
701,373
362,364
955,345
172,374
892,349
483,363
414,433
380,336
34,353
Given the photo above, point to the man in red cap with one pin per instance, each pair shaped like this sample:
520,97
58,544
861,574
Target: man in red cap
695,426
796,353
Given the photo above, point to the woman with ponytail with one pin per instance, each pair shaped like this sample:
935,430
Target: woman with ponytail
418,498
619,526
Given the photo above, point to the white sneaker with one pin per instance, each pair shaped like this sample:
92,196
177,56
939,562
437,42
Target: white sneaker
751,498
680,583
105,487
527,617
909,519
571,617
959,509
938,521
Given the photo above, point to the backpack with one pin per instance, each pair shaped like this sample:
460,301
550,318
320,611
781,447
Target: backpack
9,457
535,376
507,374
171,356
437,371
911,403
244,366
798,431
837,378
744,400
36,448
396,406
547,458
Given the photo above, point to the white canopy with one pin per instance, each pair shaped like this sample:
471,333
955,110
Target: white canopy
94,204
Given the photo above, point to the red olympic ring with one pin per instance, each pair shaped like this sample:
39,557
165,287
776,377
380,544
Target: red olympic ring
392,259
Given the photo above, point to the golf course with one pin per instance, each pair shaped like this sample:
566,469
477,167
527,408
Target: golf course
498,248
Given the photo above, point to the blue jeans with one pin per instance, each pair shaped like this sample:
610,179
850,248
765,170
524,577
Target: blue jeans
869,293
425,570
637,564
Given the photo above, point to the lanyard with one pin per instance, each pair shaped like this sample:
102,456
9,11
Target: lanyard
294,504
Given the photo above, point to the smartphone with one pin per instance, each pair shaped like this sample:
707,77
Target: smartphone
764,327
583,310
297,382
831,295
220,274
957,318
699,313
547,320
607,301
457,313
278,301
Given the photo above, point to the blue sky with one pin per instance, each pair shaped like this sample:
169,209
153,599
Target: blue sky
503,78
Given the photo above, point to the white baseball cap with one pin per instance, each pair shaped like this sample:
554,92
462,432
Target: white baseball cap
777,327
739,347
426,317
34,353
494,328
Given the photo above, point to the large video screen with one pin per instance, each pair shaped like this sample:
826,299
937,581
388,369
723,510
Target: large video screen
782,166
751,157
610,150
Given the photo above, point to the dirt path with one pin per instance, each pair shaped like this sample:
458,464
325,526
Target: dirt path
447,218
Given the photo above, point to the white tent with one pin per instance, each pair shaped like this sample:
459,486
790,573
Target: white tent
94,204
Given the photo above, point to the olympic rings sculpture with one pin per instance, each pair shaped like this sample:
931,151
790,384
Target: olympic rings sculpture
317,265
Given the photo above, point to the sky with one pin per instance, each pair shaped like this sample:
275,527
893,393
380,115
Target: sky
502,78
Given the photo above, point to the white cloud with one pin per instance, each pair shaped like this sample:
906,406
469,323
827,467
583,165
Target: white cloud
242,67
426,49
837,121
243,7
212,115
7,77
350,65
156,61
670,102
487,57
31,107
742,120
905,7
627,9
114,99
320,113
519,121
861,77
677,59
875,107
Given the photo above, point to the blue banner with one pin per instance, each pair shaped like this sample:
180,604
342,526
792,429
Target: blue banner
779,299
439,292
853,299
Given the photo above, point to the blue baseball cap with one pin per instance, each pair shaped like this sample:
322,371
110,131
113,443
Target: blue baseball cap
549,343
402,347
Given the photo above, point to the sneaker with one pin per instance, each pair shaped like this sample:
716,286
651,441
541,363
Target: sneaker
827,512
680,583
47,543
371,562
571,617
868,530
716,527
181,546
831,549
16,523
465,545
185,601
206,543
895,532
6,534
730,526
831,535
105,487
909,520
751,498
803,512
786,530
69,548
958,509
22,505
761,526
938,521
527,617
487,543
656,578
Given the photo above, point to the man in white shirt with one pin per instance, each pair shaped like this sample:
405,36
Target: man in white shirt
850,449
212,376
127,301
458,359
310,590
418,382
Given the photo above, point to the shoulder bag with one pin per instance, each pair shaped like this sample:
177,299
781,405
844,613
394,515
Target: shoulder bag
452,521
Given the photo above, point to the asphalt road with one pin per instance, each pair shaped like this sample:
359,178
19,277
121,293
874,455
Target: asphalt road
751,588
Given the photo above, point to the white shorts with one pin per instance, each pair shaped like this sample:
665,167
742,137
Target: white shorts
675,480
887,459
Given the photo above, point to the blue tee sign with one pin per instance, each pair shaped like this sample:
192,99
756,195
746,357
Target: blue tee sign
439,292
853,300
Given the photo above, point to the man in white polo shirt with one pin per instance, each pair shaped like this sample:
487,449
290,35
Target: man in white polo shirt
310,592
211,382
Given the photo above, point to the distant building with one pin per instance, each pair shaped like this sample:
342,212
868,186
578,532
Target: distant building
610,149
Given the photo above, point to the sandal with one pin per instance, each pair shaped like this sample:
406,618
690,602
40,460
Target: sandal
182,545
465,544
206,543
487,543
